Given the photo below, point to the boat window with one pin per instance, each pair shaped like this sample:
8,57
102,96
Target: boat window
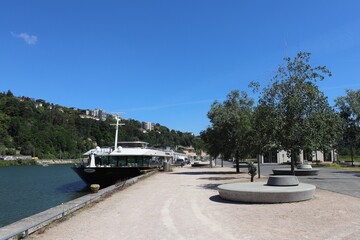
98,161
117,161
132,161
101,160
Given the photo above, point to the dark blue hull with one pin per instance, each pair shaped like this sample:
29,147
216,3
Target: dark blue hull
106,176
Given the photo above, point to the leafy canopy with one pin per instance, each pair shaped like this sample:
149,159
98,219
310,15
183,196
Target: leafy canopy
293,114
231,127
349,108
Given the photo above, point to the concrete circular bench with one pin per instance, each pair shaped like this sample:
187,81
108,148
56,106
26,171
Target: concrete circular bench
282,180
264,193
298,172
304,166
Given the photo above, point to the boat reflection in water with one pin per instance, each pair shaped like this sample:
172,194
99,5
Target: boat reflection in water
125,160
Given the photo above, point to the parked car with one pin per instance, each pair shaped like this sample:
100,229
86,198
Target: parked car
180,162
241,164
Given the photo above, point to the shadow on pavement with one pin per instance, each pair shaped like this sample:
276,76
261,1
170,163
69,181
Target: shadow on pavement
325,178
211,186
218,199
206,173
218,178
354,173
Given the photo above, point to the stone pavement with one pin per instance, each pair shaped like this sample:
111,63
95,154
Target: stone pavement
185,204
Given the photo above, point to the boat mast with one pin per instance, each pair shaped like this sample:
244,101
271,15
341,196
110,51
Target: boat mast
118,118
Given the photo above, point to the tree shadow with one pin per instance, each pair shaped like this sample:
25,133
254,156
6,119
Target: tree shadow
327,179
217,178
207,173
210,186
213,186
354,173
218,199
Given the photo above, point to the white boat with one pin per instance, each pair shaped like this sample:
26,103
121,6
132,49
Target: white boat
108,165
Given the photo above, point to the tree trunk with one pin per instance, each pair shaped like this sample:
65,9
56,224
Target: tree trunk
258,160
237,161
293,159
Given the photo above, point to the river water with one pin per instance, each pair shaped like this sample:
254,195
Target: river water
27,190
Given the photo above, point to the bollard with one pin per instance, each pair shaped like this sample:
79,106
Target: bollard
166,167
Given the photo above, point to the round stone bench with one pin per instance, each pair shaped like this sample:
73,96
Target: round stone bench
298,172
279,189
304,166
283,180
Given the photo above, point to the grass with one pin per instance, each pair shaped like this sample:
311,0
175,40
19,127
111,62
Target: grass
348,158
338,166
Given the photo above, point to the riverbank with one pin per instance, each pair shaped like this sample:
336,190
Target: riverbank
185,204
57,161
43,162
18,162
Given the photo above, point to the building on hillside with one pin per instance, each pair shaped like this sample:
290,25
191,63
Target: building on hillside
97,114
101,114
38,104
189,133
148,126
189,151
89,117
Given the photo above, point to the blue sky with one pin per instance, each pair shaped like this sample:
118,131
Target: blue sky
168,61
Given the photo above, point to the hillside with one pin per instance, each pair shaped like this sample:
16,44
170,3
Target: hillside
46,130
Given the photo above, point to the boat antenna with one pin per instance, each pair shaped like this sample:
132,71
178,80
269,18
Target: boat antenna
118,119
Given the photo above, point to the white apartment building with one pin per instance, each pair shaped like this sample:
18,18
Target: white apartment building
282,157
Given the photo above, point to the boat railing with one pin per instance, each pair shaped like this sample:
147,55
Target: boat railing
103,150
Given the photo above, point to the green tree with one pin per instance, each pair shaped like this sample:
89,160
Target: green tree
293,114
231,127
212,143
349,107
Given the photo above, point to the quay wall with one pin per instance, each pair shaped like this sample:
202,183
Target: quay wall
35,222
57,161
21,161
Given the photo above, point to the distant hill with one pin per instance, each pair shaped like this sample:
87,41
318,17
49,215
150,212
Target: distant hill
46,130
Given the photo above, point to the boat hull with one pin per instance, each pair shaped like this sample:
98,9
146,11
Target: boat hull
106,176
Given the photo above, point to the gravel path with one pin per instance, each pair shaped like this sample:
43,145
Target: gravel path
185,204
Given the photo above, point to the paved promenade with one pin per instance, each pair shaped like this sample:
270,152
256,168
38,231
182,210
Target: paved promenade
185,204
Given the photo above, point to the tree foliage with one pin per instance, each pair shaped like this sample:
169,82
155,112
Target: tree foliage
52,131
293,114
349,108
230,132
